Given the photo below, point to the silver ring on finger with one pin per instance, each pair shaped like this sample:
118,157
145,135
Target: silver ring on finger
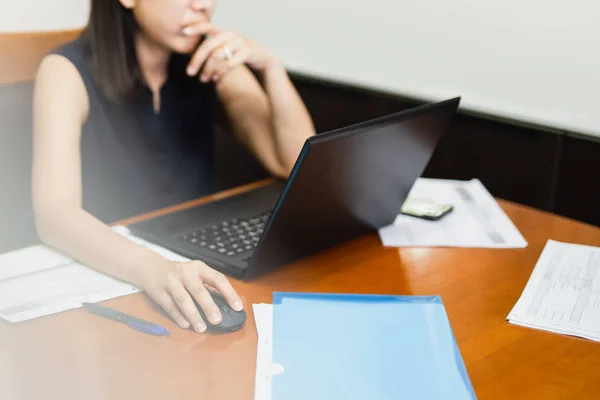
227,53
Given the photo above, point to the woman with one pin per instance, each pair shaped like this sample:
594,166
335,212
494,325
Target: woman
123,122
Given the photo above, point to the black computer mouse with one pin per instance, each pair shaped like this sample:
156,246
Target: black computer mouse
231,320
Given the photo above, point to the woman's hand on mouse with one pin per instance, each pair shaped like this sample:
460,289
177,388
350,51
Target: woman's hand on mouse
172,286
223,51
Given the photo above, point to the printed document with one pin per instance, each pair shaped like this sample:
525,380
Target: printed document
563,292
39,281
476,220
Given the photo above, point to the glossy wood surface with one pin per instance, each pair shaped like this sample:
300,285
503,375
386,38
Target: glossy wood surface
75,355
21,53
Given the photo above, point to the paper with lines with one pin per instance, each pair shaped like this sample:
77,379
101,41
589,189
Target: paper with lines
39,281
476,220
563,292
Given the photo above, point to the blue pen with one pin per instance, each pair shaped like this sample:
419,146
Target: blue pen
133,322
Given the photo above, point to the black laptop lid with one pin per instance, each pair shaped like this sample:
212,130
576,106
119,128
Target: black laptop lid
350,182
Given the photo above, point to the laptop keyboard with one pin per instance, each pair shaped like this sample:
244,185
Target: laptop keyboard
230,238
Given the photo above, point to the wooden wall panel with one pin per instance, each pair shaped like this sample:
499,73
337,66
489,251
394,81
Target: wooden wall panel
21,53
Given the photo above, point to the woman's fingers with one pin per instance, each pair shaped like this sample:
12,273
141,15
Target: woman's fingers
239,52
239,58
206,49
186,282
205,300
218,64
200,28
186,305
167,303
214,63
210,288
222,284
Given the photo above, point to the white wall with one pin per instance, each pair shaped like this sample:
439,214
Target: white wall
42,15
536,61
531,60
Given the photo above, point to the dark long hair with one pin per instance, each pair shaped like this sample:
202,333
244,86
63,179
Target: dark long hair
109,43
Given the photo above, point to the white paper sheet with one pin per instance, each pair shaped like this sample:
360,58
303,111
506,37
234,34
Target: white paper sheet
263,315
476,220
168,254
40,281
563,292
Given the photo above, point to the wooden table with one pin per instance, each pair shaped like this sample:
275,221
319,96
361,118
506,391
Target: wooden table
75,355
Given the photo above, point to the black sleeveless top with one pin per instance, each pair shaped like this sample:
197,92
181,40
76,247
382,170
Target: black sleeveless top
134,160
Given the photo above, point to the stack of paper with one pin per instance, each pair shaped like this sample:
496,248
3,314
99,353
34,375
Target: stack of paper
476,220
263,315
39,281
324,346
563,293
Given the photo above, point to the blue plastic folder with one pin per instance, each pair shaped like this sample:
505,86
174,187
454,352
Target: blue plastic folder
365,347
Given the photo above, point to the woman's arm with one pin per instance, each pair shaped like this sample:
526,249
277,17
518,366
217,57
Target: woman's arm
61,107
273,122
271,119
290,119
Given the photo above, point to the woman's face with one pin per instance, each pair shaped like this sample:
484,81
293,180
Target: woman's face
163,21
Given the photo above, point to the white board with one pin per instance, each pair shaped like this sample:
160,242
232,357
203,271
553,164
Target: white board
536,61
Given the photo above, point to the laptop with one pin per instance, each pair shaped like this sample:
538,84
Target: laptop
345,183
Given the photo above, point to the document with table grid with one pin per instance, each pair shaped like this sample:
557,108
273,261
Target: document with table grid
563,292
39,281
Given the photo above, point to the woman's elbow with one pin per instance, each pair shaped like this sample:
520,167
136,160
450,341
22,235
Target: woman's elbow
44,226
282,170
287,171
48,220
